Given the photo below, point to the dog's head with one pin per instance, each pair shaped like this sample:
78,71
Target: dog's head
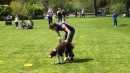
52,53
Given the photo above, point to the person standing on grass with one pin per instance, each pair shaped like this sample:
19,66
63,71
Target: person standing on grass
82,13
64,13
69,33
16,21
59,14
50,15
115,19
75,12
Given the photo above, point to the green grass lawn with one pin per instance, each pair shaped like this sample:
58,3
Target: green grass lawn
99,47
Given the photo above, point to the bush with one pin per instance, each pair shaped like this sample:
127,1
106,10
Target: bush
38,11
5,10
34,11
25,11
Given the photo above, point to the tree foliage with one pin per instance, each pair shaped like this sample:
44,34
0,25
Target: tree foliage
69,5
102,3
16,8
119,8
5,10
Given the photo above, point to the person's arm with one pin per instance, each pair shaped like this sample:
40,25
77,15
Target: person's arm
59,37
68,32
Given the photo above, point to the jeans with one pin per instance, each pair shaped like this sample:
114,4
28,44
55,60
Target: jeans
115,22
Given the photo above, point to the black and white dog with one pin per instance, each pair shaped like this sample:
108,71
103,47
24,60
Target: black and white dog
60,50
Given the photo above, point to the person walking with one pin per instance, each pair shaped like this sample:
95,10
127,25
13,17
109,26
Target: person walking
115,19
50,15
68,36
59,14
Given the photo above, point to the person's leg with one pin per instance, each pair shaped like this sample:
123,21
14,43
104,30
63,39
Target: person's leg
58,18
64,15
61,18
51,20
66,52
116,22
71,54
16,23
48,20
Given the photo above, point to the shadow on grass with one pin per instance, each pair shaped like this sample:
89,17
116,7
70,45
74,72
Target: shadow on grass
76,60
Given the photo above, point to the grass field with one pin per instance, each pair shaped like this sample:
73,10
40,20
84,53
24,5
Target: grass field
99,47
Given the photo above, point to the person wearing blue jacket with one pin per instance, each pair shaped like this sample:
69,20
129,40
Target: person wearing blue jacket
115,19
68,36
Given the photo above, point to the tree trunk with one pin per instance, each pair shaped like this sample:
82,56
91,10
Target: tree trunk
127,8
95,7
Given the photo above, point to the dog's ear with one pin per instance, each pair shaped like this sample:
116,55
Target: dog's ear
51,51
54,49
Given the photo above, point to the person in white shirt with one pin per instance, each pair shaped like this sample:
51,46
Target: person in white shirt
16,21
50,15
82,13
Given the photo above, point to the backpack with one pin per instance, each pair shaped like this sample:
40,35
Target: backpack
64,12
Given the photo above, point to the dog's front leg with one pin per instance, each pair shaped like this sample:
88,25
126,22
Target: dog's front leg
62,57
58,58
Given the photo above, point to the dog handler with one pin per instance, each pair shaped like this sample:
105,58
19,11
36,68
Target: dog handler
68,36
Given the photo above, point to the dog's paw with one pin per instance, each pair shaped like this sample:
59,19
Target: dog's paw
69,59
57,62
62,62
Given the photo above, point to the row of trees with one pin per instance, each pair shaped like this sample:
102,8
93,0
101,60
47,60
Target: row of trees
38,7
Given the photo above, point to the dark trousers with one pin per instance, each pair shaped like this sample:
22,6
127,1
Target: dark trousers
63,15
83,15
16,23
50,19
115,22
59,18
71,54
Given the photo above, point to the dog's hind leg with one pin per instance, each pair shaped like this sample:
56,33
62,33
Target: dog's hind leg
58,58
